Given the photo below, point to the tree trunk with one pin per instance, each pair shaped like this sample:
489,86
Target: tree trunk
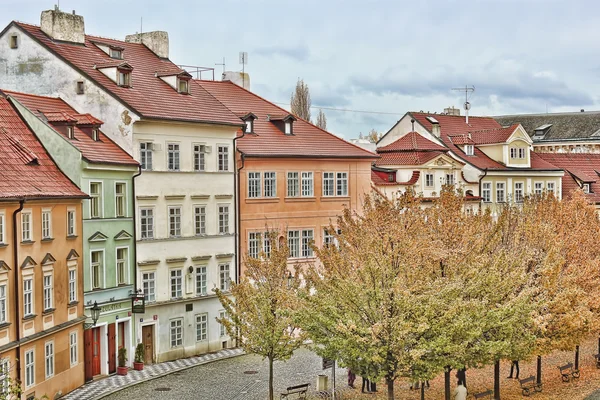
447,383
497,380
270,378
577,357
423,390
539,370
390,388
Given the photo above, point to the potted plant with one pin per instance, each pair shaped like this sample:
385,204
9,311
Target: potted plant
138,361
122,368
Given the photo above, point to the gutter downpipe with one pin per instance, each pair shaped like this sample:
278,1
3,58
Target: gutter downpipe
485,171
236,196
135,282
16,294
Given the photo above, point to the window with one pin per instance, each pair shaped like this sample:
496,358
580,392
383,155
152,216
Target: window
70,132
176,280
249,126
328,183
14,42
73,348
4,378
80,87
173,157
307,184
122,263
223,220
522,153
267,245
116,53
146,156
449,179
183,86
96,199
486,191
253,184
513,152
253,244
428,180
71,223
270,185
72,285
97,269
329,239
223,158
200,281
28,297
550,187
49,350
29,368
174,221
538,188
176,332
148,286
120,199
518,192
124,78
147,223
307,239
2,241
224,278
201,327
222,329
200,220
294,243
586,188
342,184
199,160
26,226
469,149
500,192
292,184
288,128
48,293
46,224
2,304
95,135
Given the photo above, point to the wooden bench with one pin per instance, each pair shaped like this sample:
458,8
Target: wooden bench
484,395
528,385
597,357
299,390
567,371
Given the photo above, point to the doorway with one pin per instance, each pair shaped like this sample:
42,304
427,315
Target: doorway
148,341
96,351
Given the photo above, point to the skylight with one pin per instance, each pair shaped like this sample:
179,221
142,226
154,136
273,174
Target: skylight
432,120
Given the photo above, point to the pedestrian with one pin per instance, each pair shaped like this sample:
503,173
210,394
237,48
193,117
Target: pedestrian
460,393
365,383
351,378
514,365
461,376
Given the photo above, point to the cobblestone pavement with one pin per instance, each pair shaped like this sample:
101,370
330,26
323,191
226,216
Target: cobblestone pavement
100,388
240,378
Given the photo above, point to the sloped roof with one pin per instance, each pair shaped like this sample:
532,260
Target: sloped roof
576,164
492,136
411,141
26,169
408,157
268,140
564,125
101,151
378,180
455,124
148,96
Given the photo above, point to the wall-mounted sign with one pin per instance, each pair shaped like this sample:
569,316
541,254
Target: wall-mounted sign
138,304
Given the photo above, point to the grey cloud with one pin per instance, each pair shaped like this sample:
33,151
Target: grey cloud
298,53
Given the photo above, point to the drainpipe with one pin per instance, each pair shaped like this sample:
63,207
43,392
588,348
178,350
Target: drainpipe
485,171
135,289
16,294
236,194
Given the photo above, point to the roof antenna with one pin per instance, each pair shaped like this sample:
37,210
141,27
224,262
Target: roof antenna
467,105
243,61
222,64
141,25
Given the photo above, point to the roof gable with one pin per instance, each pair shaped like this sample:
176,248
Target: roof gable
411,141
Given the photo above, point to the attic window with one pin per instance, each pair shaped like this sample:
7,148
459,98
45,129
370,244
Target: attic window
70,132
183,86
432,120
469,149
391,177
80,87
116,53
124,78
95,136
14,42
250,126
288,127
586,188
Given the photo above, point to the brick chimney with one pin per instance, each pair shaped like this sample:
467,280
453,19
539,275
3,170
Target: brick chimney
239,78
63,26
157,41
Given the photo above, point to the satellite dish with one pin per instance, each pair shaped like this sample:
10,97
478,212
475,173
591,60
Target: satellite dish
467,105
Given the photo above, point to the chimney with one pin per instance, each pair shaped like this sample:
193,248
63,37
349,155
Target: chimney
452,111
435,129
63,26
239,78
157,41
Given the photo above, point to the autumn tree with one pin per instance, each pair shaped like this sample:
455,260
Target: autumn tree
262,311
300,101
321,121
373,136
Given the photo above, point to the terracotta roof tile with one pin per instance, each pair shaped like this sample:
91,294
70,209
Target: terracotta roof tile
408,157
26,169
491,136
411,141
576,164
378,179
268,140
148,95
101,151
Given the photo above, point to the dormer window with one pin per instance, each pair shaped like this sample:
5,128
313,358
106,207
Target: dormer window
469,149
116,53
70,132
95,135
283,122
288,127
586,188
249,121
14,42
183,86
124,78
249,124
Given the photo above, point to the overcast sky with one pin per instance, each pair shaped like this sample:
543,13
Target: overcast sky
522,56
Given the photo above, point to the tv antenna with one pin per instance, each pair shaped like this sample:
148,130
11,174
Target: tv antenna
243,61
222,64
467,105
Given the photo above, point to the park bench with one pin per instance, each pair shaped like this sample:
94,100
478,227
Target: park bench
529,384
484,395
299,390
597,357
567,371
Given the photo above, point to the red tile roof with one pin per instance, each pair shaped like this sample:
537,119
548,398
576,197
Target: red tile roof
454,124
491,136
575,164
268,140
26,169
379,179
408,157
148,96
104,151
412,141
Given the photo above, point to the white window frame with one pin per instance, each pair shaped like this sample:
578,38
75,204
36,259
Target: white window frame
254,242
502,189
124,78
46,224
586,187
148,232
513,153
125,265
29,368
146,156
199,158
200,219
266,244
308,236
293,238
26,221
201,282
222,158
149,285
174,215
522,154
72,275
3,303
223,219
48,284
341,184
293,184
538,188
222,329
269,184
100,264
551,187
73,350
486,192
429,177
307,185
99,199
521,190
254,183
450,178
176,332
4,377
71,224
328,184
224,276
121,198
173,157
176,283
49,358
469,149
28,296
201,327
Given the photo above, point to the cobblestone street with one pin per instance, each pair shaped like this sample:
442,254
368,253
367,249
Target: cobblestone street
240,378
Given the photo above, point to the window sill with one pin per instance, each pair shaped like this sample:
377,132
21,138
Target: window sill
27,242
335,198
29,317
73,303
46,240
300,199
123,284
48,311
4,325
2,245
71,237
253,200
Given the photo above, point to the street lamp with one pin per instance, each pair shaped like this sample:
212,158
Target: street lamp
95,312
